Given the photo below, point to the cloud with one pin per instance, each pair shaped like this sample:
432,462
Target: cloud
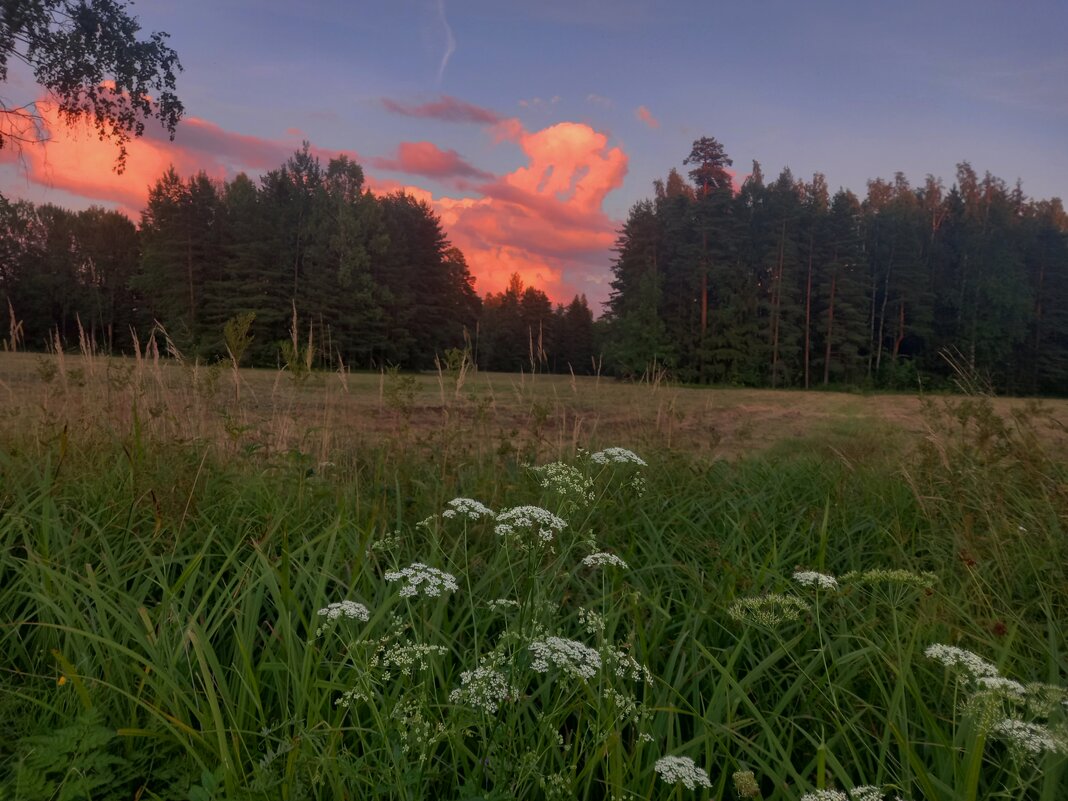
544,219
598,100
447,109
646,116
427,159
450,41
75,160
537,102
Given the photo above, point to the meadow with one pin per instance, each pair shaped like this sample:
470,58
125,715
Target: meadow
234,584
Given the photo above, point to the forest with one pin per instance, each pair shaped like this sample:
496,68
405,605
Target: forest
716,280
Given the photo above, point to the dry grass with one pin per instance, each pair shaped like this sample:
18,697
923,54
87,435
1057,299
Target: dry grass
42,396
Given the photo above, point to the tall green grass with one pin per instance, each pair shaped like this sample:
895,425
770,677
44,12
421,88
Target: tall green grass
159,635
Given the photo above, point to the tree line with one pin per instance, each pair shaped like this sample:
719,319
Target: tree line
782,284
371,280
775,284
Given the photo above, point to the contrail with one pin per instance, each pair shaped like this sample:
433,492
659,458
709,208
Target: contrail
450,41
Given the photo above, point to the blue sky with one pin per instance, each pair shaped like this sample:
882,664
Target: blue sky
853,90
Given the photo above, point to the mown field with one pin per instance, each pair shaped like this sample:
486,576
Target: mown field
220,585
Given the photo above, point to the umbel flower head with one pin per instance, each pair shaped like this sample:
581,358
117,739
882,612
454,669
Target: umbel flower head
467,508
1030,738
821,581
541,522
570,656
960,659
567,481
681,770
420,579
349,609
767,610
602,559
617,456
483,688
341,609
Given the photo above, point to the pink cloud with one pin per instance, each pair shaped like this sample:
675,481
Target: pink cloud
427,159
646,116
74,159
447,109
544,219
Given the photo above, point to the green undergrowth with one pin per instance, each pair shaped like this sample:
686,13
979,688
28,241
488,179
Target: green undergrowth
160,635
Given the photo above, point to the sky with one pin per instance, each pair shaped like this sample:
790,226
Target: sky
532,128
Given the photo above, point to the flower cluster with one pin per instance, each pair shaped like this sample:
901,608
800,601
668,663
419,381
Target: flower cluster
601,559
825,795
571,656
420,579
483,688
349,609
866,792
810,578
341,609
882,575
565,480
467,508
1001,686
767,610
745,784
540,521
1030,738
681,770
617,456
407,658
625,666
959,658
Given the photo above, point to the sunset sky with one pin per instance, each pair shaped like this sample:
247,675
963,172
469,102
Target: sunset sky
532,128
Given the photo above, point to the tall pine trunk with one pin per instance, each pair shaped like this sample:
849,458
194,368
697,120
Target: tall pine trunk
808,308
830,331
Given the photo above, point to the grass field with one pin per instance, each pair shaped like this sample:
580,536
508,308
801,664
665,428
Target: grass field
254,587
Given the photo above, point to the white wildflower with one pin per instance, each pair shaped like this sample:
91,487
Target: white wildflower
500,604
601,559
1001,686
1030,737
567,481
866,792
591,620
1044,699
341,609
810,578
767,610
418,578
571,656
953,657
617,456
406,657
825,795
467,507
483,688
681,770
349,609
543,523
625,666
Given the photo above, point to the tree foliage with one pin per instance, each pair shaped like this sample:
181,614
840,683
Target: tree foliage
783,284
88,56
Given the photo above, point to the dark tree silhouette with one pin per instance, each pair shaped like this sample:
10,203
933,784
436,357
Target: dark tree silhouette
87,55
